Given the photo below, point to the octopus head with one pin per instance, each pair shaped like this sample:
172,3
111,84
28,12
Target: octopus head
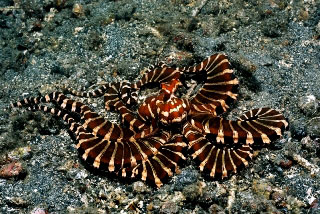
170,108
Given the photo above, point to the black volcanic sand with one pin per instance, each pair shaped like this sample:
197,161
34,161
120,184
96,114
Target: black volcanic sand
273,46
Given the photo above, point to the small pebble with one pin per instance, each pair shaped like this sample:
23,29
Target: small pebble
215,208
315,204
39,211
169,207
303,15
317,29
60,3
308,104
313,127
310,144
262,187
81,175
13,169
77,174
77,10
20,153
286,164
16,201
150,206
139,187
192,191
278,197
186,177
242,63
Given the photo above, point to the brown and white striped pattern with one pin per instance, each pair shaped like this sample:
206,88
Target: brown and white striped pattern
217,142
116,149
150,146
92,121
112,92
164,163
165,107
158,75
259,126
216,159
219,86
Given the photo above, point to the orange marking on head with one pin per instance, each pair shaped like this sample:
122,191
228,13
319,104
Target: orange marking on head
170,87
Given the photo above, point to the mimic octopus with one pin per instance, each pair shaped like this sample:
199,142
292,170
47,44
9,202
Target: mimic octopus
152,141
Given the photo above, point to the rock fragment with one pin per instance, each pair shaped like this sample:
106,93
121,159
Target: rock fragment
12,170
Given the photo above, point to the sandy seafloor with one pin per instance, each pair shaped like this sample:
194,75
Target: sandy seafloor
273,46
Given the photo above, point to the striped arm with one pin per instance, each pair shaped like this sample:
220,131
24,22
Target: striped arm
148,110
89,145
258,126
158,75
119,157
73,125
120,91
94,93
128,94
113,100
130,118
217,160
104,154
93,122
219,86
115,156
163,163
154,158
115,95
